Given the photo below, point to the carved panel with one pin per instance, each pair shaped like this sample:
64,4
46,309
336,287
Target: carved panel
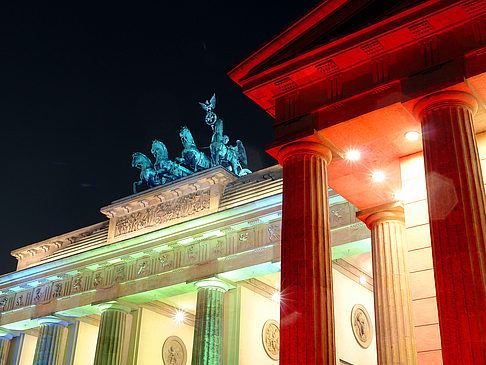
217,248
165,261
77,284
164,212
143,267
21,299
4,303
191,254
40,294
245,240
99,278
57,289
273,232
119,273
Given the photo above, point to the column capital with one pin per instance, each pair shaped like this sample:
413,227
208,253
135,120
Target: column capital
113,306
382,213
213,283
47,320
445,98
304,147
5,334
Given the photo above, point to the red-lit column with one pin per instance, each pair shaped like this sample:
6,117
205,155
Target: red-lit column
306,310
395,342
457,216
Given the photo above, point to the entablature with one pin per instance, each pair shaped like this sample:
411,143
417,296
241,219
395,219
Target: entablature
372,57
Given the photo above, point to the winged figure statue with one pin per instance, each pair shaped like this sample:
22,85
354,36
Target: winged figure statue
209,106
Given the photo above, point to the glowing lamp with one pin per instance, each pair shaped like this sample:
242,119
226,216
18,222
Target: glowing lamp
378,176
179,316
412,135
353,155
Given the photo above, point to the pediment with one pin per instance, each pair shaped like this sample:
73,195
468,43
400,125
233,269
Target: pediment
330,21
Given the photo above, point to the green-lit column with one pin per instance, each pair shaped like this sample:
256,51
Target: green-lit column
111,334
48,346
207,348
5,338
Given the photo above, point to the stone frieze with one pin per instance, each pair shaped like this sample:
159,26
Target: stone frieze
163,213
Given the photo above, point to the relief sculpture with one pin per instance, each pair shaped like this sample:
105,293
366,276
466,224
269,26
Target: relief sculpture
164,212
174,351
361,325
271,339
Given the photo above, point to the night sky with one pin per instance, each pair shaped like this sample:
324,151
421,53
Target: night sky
82,88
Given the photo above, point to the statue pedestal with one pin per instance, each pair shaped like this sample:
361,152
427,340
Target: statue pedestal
172,203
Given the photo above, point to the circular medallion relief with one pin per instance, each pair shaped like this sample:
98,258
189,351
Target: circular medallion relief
361,325
174,351
271,339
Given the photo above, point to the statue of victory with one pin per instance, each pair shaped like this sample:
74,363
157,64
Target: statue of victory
165,170
231,157
209,106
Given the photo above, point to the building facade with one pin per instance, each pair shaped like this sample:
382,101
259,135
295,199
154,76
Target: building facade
184,273
402,85
367,246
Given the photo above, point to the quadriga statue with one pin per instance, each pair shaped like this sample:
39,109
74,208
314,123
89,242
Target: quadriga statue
191,156
166,169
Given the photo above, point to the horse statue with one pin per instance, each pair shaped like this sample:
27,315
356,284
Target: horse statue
191,156
231,157
147,171
166,169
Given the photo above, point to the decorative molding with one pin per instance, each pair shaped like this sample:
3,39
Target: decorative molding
40,251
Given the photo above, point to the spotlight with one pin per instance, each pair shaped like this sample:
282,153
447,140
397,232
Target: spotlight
362,280
378,176
412,135
276,297
179,316
353,155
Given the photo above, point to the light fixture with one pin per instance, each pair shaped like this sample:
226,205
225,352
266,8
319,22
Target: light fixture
276,297
353,155
412,135
179,316
378,176
362,280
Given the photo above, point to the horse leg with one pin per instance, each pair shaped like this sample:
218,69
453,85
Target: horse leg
135,184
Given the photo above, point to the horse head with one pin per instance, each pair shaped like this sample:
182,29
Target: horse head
159,150
186,137
140,161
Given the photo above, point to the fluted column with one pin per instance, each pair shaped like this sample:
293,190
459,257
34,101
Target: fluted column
48,347
395,342
207,347
5,338
111,334
457,216
306,310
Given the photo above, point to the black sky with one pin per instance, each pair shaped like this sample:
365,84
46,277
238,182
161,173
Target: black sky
83,86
